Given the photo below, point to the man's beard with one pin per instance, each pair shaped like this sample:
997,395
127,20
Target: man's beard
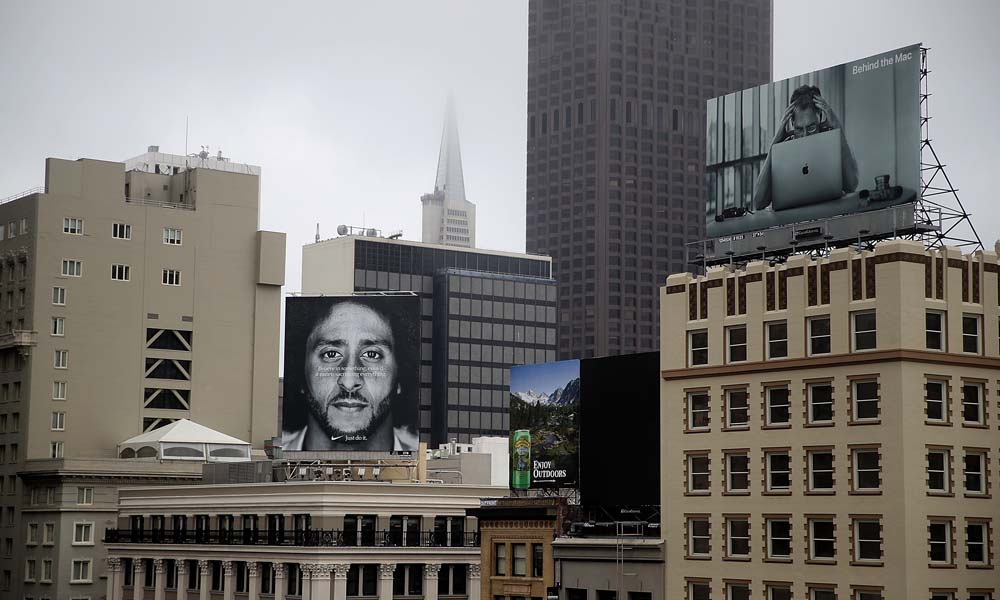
369,418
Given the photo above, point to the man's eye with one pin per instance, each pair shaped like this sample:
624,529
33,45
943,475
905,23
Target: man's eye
330,355
371,355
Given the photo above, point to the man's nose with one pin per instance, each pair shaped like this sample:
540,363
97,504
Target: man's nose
350,379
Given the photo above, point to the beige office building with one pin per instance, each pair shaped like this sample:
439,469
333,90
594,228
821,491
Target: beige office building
316,540
830,428
130,296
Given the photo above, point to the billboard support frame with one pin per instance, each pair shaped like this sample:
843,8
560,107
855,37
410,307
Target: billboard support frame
938,203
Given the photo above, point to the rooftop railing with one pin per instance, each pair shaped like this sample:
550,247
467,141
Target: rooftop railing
306,538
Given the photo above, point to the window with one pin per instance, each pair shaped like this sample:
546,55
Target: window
934,330
81,571
58,326
867,540
867,469
779,592
973,412
698,347
121,231
49,531
520,564
46,571
32,536
58,390
698,473
975,472
866,402
61,359
936,399
699,590
738,472
499,559
819,335
822,594
84,496
537,560
822,539
30,570
72,268
55,449
72,226
779,471
863,324
820,403
121,272
699,537
12,229
737,343
737,591
779,538
698,411
737,537
976,543
24,225
171,277
172,236
867,595
939,533
970,333
820,470
83,534
58,421
737,409
59,296
938,471
777,339
779,409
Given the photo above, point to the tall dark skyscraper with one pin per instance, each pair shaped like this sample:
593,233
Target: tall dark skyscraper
616,149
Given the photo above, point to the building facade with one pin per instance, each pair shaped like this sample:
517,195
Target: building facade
130,298
616,149
830,427
516,536
69,505
447,217
311,540
481,312
592,567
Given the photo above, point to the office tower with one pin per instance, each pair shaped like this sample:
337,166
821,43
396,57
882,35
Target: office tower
448,218
132,296
482,311
829,427
616,149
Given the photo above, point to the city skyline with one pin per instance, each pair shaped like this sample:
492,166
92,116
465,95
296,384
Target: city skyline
328,111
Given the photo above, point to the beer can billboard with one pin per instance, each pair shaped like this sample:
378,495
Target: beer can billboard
544,420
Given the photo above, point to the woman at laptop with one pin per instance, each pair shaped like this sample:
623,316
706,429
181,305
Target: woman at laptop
808,113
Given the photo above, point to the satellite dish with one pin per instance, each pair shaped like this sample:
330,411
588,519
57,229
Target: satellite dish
341,229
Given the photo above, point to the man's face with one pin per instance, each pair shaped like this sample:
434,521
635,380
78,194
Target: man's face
350,370
805,121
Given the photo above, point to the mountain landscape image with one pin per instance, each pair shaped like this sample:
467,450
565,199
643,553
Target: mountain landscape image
545,400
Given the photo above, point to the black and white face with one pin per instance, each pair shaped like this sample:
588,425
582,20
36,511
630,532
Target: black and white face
351,370
805,121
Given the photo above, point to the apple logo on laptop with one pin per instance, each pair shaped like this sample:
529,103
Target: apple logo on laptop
805,169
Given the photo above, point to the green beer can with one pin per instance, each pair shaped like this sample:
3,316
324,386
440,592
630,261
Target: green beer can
520,477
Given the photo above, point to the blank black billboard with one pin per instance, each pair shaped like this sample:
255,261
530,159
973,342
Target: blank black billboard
620,431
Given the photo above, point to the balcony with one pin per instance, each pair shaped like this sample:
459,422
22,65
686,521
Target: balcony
18,338
323,538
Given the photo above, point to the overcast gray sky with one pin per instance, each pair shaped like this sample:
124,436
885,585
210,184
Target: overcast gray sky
341,103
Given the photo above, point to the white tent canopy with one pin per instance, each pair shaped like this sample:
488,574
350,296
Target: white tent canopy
185,440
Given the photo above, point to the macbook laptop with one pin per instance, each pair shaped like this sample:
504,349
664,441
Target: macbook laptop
806,170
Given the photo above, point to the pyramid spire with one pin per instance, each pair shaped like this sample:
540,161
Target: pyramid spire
449,172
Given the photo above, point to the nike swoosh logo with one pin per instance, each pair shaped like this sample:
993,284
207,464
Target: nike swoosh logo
334,439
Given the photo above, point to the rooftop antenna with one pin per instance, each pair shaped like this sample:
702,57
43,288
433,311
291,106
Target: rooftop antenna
317,233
